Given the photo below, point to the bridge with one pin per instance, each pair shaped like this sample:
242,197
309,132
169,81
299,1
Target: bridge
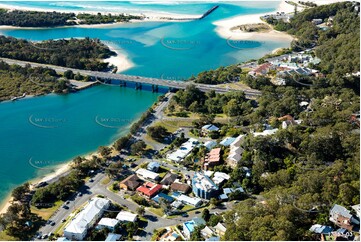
138,80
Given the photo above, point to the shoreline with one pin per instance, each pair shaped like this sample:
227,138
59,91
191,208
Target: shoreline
223,27
121,61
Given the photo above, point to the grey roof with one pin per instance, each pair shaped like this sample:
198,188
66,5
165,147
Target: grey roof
169,178
338,209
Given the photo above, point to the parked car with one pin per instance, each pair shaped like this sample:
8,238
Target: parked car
184,215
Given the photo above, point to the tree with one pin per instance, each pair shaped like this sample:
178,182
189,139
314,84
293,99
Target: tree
121,143
69,74
157,133
19,192
104,151
138,148
140,210
205,214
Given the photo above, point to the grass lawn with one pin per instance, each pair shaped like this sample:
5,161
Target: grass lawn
105,181
46,213
111,188
5,237
187,207
157,211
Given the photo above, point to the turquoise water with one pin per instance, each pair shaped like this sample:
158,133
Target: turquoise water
52,129
45,131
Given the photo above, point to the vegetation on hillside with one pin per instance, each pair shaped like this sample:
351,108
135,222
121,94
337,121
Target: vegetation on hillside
16,80
22,18
74,53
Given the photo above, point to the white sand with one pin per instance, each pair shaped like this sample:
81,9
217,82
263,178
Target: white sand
121,60
223,28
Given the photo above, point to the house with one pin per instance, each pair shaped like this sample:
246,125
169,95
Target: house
130,183
321,229
265,132
193,201
317,21
227,141
220,229
170,236
188,227
147,175
168,179
177,204
163,196
210,144
207,232
125,216
288,121
149,189
78,227
109,223
113,237
203,186
261,69
213,238
235,153
183,150
342,217
212,159
153,166
220,177
180,187
62,239
206,129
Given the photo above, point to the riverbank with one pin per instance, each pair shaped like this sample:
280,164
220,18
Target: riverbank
148,16
120,61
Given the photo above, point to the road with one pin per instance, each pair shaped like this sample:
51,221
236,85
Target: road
91,189
251,93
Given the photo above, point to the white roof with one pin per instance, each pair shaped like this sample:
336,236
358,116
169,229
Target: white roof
203,182
189,200
208,173
147,174
113,237
80,223
62,239
219,177
237,142
126,216
220,227
108,222
183,150
265,132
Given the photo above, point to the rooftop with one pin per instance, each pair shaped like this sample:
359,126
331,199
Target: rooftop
203,182
126,216
149,189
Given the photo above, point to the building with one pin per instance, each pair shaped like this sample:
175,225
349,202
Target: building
317,21
265,132
210,144
62,239
183,150
149,189
168,179
147,175
236,151
177,204
78,227
206,129
109,223
163,196
193,201
125,216
153,166
220,177
130,183
261,69
356,208
203,186
342,217
180,187
170,236
212,159
321,229
113,237
188,227
207,232
220,229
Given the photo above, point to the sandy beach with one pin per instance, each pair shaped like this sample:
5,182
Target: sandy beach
121,60
223,28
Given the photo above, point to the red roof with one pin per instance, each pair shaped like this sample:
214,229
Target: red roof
149,189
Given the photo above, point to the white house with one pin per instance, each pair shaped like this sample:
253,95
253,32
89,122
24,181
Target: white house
78,227
193,201
124,216
183,150
109,223
146,174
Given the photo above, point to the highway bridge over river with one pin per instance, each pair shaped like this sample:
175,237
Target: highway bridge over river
138,80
